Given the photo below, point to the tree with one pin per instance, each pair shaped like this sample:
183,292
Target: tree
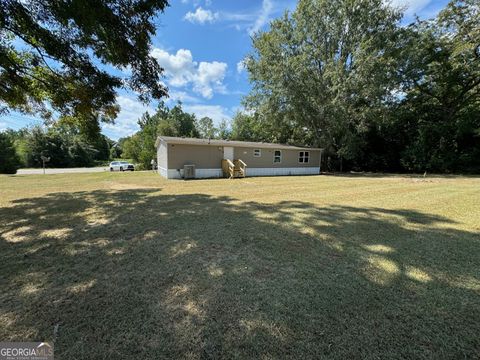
205,128
9,161
322,74
145,140
167,122
49,52
115,150
63,143
442,91
223,132
131,148
246,127
183,123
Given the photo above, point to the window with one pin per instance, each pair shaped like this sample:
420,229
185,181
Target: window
257,152
303,156
277,156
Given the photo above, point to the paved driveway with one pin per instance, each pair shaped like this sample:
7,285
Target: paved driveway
61,171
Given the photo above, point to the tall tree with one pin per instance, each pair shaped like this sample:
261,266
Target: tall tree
50,53
321,74
145,139
247,127
168,122
184,124
63,144
442,91
206,128
223,132
9,161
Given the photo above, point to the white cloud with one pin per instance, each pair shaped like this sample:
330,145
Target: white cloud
209,77
132,110
240,66
254,20
263,17
182,96
3,126
196,2
126,122
181,70
201,16
178,67
216,112
242,17
411,6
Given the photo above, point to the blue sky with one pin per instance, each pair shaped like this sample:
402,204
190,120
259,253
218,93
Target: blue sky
201,44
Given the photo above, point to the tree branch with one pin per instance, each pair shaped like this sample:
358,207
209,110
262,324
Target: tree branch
42,55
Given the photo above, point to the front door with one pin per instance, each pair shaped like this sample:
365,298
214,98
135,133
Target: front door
228,152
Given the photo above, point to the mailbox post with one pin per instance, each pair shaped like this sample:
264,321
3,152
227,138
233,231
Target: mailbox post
44,160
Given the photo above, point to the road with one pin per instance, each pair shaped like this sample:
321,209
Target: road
61,171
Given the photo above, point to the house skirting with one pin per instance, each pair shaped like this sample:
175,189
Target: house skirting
162,171
199,173
283,171
217,173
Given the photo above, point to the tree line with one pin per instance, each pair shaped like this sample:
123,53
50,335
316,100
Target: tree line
63,144
377,95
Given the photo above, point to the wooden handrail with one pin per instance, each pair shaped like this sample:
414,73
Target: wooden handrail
242,163
240,166
228,167
231,168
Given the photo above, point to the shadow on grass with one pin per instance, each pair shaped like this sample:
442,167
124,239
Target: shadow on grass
138,274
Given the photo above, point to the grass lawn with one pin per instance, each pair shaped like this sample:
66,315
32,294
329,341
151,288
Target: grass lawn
128,265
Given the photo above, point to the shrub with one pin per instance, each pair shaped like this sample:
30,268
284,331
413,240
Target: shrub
9,161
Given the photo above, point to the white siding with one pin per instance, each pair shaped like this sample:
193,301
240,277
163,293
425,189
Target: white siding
162,158
199,173
163,172
282,171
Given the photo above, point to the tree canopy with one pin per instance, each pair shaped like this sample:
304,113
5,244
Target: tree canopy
441,84
315,72
51,51
205,128
62,143
166,121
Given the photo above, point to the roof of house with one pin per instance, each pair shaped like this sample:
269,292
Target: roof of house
213,142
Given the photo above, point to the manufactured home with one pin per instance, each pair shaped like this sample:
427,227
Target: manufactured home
185,158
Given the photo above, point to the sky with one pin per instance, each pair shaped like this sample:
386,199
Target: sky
201,44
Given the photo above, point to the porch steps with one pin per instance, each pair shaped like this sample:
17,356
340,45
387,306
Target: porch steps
234,169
